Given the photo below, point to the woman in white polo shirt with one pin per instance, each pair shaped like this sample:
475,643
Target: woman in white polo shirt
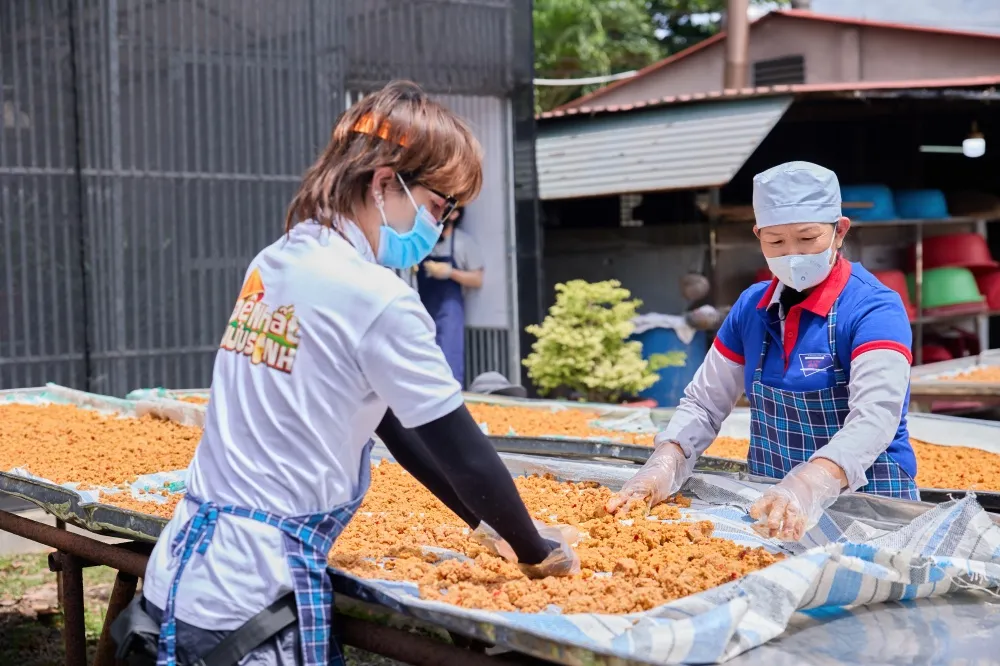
324,346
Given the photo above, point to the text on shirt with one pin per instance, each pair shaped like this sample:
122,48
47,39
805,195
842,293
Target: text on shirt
267,336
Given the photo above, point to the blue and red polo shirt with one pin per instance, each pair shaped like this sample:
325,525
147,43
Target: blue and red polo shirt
870,316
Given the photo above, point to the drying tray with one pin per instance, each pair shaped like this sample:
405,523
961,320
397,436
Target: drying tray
930,382
878,513
931,428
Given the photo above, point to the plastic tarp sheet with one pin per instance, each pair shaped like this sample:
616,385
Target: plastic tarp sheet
930,428
841,563
608,417
847,560
147,487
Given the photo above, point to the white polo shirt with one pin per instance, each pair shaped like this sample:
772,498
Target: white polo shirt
320,341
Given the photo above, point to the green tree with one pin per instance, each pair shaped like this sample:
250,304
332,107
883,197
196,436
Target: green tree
581,38
680,24
578,38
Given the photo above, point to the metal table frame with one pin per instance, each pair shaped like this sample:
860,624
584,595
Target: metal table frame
929,383
75,552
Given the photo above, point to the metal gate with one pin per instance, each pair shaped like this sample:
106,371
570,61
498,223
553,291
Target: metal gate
148,149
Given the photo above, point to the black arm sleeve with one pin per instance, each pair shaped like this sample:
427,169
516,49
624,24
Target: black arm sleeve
479,478
411,452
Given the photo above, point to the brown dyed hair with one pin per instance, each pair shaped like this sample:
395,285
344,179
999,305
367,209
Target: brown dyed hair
398,127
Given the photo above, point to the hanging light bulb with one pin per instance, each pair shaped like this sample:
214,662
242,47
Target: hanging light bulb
975,145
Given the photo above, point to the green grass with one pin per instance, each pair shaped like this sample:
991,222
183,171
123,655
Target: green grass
28,641
21,573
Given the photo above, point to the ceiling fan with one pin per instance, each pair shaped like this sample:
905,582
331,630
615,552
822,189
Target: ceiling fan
973,146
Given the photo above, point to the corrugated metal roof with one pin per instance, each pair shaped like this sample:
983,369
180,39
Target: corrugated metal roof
856,89
673,148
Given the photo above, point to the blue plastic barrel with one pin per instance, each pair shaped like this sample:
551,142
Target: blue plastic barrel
681,362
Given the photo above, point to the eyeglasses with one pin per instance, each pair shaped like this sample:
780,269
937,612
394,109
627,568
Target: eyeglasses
450,204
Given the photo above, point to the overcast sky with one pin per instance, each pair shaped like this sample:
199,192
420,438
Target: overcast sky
978,15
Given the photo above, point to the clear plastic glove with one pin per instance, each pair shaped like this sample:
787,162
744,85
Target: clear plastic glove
661,477
439,270
792,507
562,561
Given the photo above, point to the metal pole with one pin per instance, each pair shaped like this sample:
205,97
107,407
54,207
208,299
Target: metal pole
117,557
74,630
737,44
118,382
60,525
121,596
918,351
77,552
406,647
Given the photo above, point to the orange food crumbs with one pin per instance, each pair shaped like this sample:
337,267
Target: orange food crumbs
949,467
642,564
195,399
64,443
125,501
529,422
956,467
729,447
982,373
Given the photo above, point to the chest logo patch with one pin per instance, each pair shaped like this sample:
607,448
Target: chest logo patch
815,363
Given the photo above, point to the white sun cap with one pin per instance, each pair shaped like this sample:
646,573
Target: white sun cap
796,192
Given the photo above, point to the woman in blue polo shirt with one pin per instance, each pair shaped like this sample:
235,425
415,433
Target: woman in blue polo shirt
823,354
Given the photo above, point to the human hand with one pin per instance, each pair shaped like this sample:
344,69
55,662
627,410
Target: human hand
661,476
561,561
439,270
793,506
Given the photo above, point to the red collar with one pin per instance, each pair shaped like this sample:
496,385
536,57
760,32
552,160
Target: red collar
822,297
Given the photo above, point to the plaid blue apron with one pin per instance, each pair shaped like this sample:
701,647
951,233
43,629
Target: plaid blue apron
787,427
307,539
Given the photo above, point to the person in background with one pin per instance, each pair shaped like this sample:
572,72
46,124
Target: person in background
324,348
453,267
822,351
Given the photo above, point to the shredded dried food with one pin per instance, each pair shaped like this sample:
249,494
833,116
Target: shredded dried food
628,565
729,447
531,422
982,373
63,443
956,467
949,467
124,500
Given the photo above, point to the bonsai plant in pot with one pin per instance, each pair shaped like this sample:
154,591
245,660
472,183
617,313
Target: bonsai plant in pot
583,345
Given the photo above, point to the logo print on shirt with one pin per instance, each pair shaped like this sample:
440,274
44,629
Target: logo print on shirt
267,336
815,363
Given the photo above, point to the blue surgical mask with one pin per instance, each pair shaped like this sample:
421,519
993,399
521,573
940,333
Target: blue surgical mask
406,250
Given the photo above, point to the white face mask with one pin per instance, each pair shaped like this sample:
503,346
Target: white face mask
803,271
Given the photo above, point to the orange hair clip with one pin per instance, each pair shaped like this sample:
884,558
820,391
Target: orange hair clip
366,125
